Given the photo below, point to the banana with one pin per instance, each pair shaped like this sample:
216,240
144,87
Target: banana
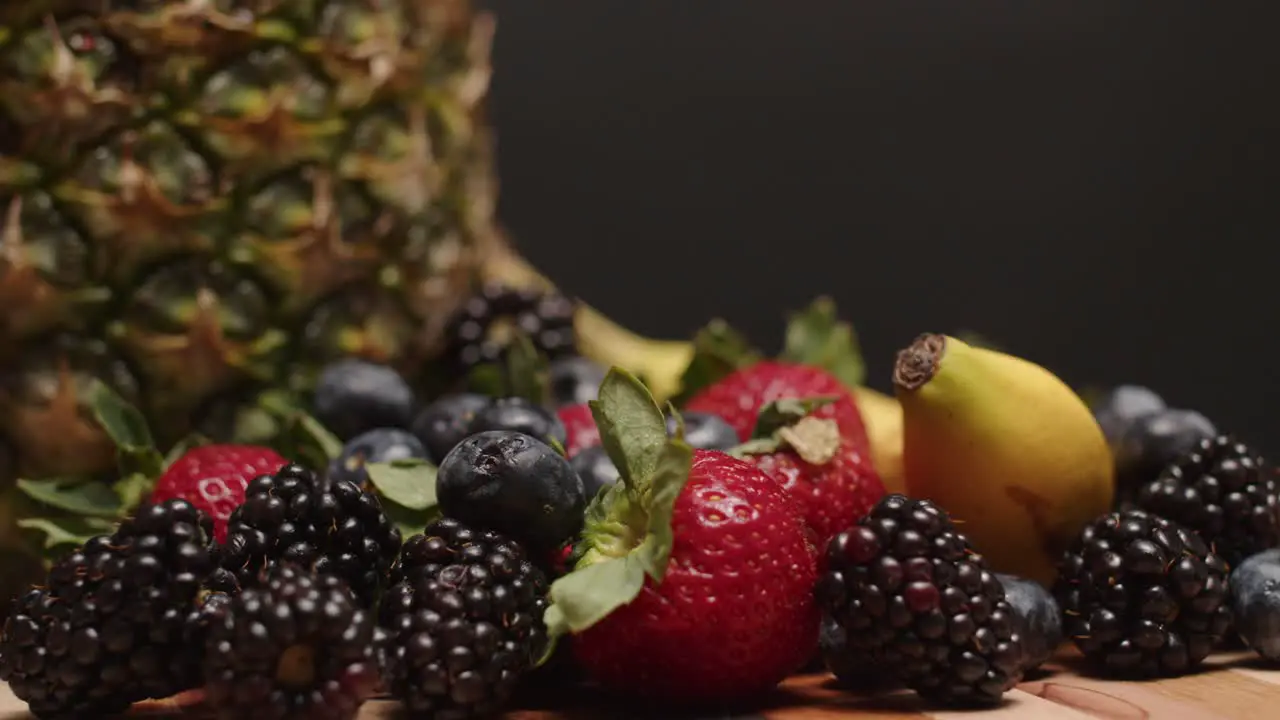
1004,446
882,415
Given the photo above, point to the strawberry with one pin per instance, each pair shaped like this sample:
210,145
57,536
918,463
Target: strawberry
580,428
214,477
695,578
739,397
830,478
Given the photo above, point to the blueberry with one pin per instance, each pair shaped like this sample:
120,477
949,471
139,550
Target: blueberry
514,484
1118,409
519,415
1152,443
705,431
444,423
353,396
574,380
1039,618
596,470
376,446
1255,602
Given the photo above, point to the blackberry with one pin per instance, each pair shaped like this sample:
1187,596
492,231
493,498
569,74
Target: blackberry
1142,595
1224,491
297,645
111,624
290,517
913,597
477,332
463,621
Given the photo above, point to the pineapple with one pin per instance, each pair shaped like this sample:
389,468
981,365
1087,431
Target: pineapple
200,199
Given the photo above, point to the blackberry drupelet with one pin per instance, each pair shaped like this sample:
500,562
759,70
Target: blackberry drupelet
338,530
1142,595
296,646
1224,491
913,597
463,621
478,330
111,625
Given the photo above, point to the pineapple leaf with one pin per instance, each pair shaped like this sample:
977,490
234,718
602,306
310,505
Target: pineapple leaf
132,489
818,337
294,433
93,499
410,483
63,531
718,350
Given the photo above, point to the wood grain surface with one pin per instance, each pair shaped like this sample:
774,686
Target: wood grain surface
1232,686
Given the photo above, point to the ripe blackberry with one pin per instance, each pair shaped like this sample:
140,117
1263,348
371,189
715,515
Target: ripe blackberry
913,597
111,624
478,332
463,620
1224,491
297,645
1142,595
336,530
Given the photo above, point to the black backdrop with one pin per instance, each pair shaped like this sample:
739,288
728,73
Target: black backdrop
1090,184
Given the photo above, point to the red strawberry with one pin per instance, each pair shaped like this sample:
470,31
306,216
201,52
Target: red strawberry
580,428
719,610
832,495
738,397
214,478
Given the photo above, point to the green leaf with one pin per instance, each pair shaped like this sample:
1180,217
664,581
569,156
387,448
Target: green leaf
91,498
787,411
409,482
526,370
67,530
718,350
817,337
132,489
674,414
410,522
556,445
668,480
122,422
318,436
487,379
585,597
632,427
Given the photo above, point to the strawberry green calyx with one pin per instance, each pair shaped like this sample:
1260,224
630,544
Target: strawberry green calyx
627,533
788,423
816,336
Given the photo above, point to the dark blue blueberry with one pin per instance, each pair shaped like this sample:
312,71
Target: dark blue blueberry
519,415
513,484
1255,602
1152,443
1118,409
574,381
596,470
1040,620
705,431
444,423
353,396
376,446
851,668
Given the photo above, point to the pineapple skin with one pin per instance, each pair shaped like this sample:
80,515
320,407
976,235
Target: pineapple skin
204,199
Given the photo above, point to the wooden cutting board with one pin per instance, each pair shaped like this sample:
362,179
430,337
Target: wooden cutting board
1234,686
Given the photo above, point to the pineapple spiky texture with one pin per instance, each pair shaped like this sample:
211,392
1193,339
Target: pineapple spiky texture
204,199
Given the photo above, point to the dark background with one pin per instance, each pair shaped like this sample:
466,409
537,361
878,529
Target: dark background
1090,185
